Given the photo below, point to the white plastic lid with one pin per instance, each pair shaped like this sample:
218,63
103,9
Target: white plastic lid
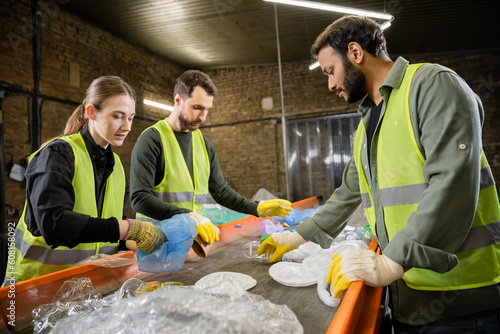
292,274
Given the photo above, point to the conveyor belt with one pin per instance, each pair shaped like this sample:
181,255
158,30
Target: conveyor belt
312,313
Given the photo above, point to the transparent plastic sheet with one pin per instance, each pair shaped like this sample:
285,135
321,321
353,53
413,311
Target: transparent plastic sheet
218,215
106,260
78,297
180,231
296,216
221,307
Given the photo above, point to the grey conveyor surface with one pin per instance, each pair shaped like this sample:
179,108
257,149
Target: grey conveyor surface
312,313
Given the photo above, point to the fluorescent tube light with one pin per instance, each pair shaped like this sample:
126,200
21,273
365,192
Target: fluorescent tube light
334,8
385,25
158,105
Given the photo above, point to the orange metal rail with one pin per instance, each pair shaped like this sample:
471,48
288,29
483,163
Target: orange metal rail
360,310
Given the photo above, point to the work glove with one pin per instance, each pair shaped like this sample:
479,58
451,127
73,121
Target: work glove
361,265
206,230
274,207
278,244
147,236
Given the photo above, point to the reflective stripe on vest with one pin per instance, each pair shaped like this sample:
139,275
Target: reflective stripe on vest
34,257
402,186
412,194
177,187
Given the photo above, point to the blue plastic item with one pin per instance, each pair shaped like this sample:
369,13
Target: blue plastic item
180,231
296,217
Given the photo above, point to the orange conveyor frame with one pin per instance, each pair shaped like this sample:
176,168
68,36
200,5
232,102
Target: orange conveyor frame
360,301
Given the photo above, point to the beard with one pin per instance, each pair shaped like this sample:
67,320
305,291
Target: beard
354,82
186,124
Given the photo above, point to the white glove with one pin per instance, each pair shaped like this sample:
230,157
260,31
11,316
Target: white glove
364,265
207,231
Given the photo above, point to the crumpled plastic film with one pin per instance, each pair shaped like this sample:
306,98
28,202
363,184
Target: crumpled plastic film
78,297
180,231
107,260
187,310
267,226
313,260
325,292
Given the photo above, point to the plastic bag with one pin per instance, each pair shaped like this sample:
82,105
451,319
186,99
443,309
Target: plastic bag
296,216
267,226
180,231
188,310
325,291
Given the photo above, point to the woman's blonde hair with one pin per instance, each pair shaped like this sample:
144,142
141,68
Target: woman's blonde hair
98,92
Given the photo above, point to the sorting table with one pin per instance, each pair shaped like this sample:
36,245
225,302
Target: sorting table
359,312
312,313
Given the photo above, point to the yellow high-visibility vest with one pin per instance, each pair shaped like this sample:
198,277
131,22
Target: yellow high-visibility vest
33,256
177,187
401,184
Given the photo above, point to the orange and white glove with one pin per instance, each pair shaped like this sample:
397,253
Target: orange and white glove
278,244
274,207
207,231
361,265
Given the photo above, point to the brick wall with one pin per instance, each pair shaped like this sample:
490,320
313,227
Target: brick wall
73,53
247,138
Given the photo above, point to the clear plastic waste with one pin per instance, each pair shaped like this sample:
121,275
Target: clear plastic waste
224,307
107,260
78,297
250,251
312,260
325,291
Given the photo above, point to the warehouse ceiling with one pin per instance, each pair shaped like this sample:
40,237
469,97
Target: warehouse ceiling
224,33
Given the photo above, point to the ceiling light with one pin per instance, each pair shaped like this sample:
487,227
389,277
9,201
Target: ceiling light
383,26
158,105
335,8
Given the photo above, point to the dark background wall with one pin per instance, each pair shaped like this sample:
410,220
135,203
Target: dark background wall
248,139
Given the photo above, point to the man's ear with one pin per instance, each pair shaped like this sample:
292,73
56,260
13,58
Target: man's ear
90,111
355,52
177,99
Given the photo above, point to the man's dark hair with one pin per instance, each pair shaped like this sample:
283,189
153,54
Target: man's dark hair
351,28
185,84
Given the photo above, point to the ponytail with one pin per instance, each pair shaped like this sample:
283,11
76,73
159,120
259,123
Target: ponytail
76,121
